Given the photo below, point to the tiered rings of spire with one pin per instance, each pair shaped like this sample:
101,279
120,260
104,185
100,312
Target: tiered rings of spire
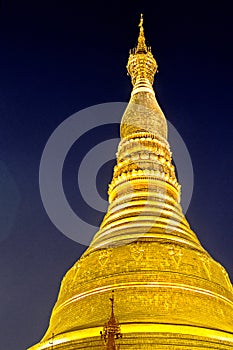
144,194
170,293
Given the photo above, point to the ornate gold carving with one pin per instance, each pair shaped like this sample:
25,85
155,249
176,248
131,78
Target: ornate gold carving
176,254
206,264
141,62
136,251
164,263
104,256
111,330
227,278
141,39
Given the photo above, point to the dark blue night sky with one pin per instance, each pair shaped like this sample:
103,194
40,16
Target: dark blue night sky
58,57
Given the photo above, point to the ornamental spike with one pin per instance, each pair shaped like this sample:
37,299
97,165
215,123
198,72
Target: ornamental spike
141,47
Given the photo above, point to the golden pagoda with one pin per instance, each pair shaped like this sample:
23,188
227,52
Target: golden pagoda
169,292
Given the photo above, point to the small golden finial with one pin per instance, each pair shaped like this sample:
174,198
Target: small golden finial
141,47
141,21
141,64
111,330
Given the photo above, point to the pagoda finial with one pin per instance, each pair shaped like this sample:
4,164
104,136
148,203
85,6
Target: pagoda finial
112,301
141,47
111,330
141,21
141,64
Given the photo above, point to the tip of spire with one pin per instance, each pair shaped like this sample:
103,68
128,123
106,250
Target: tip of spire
141,21
112,302
141,63
112,298
141,47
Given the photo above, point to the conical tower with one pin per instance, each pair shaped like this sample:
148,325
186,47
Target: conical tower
170,293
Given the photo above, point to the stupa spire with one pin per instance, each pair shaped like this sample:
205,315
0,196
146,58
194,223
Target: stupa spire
111,330
144,185
141,64
141,47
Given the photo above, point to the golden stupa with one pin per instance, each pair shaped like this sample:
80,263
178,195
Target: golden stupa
169,292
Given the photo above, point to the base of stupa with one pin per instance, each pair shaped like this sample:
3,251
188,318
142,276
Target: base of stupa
144,336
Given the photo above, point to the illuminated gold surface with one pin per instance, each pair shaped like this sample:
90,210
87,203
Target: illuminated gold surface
170,293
